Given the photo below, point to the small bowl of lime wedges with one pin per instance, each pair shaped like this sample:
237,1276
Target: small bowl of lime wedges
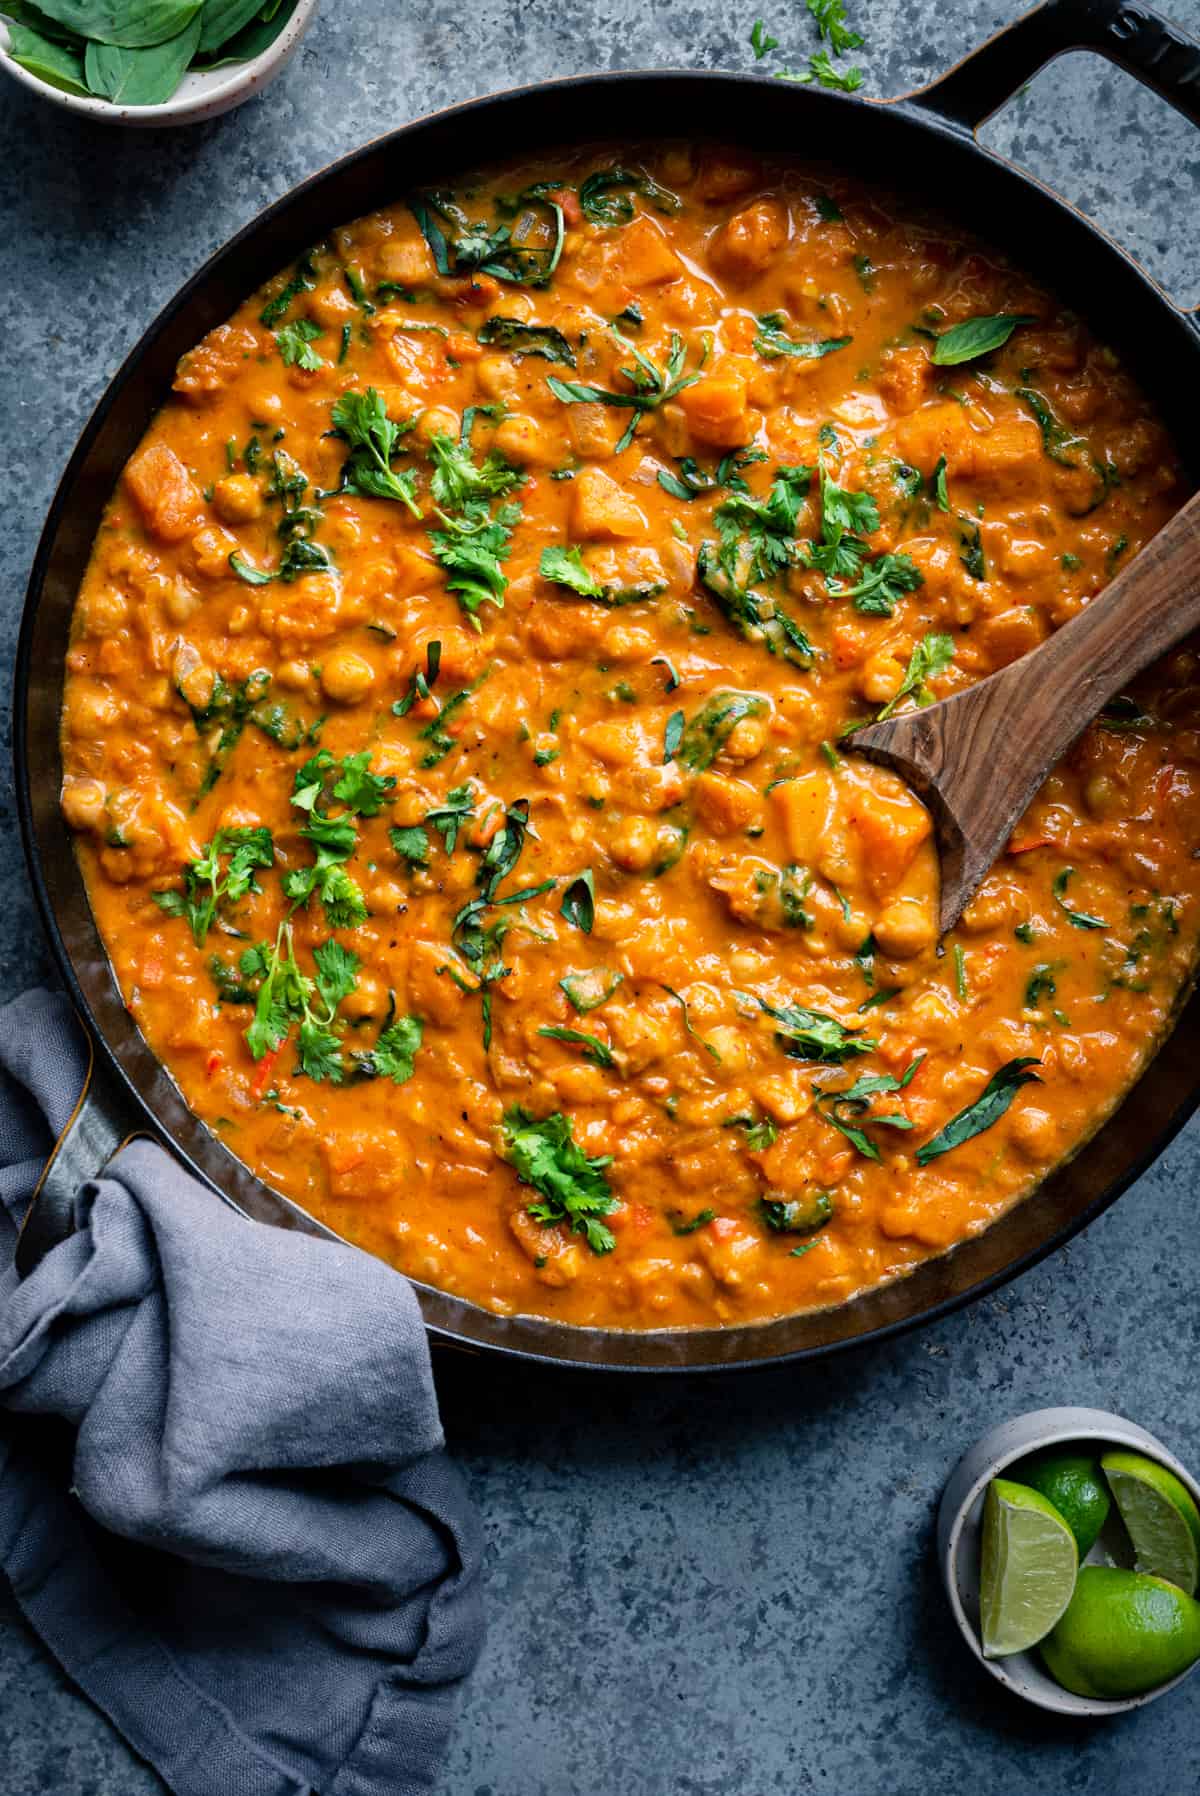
1069,1542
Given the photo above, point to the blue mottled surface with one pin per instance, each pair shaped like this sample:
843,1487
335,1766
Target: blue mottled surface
718,1589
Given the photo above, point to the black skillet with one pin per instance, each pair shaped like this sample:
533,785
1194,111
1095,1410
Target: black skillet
924,143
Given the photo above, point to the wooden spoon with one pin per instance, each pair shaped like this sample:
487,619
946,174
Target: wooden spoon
977,759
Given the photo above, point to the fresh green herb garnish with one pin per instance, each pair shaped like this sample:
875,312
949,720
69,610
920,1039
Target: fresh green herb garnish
206,884
593,1049
975,337
760,42
516,254
588,991
523,338
572,1184
796,1215
604,196
394,1053
1078,918
565,567
295,344
652,385
848,1110
987,1109
361,420
710,729
772,340
813,1035
679,1226
931,657
579,901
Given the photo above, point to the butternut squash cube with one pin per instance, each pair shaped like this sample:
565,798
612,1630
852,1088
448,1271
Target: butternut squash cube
600,511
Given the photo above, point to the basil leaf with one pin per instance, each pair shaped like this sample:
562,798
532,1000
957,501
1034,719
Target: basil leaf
1079,918
133,24
672,735
772,340
593,1049
258,36
587,991
579,901
603,205
796,1215
526,339
710,729
140,77
222,19
988,1108
58,65
975,337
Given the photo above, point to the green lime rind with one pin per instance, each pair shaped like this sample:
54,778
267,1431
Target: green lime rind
1075,1485
1121,1634
1028,1567
1161,1516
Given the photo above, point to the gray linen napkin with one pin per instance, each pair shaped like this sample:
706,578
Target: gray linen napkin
223,1500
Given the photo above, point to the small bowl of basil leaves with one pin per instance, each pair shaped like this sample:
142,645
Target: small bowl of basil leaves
149,62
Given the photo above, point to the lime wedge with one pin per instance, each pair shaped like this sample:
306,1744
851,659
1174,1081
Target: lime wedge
1075,1485
1028,1569
1122,1633
1162,1519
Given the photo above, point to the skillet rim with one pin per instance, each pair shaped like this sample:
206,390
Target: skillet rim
449,1319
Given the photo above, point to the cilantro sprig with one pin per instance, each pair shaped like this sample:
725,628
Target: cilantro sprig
572,1185
207,884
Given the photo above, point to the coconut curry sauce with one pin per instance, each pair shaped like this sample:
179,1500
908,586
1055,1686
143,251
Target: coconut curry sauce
456,733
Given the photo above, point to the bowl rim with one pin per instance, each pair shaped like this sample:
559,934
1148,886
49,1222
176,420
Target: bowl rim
990,1457
240,78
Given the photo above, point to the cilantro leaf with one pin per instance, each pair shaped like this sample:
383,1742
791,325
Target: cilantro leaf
883,582
572,1184
394,1054
294,342
931,657
830,17
206,885
359,789
565,567
457,478
411,844
761,42
361,420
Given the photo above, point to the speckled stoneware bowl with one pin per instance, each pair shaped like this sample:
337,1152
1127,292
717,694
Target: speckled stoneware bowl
202,94
960,1524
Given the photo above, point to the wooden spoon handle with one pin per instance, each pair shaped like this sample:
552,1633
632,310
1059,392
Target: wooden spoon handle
978,758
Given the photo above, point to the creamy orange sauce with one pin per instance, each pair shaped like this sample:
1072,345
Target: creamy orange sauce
657,759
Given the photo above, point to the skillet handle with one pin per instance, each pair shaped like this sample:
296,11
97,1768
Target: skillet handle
101,1122
1137,39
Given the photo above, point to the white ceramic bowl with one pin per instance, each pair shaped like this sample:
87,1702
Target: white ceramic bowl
202,94
959,1527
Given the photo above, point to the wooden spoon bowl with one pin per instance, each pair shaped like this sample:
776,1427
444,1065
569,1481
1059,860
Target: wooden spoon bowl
977,759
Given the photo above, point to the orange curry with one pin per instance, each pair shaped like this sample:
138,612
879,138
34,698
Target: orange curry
459,737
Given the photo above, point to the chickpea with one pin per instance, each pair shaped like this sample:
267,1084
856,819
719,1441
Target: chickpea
1034,1132
496,376
104,611
83,803
347,677
989,910
93,713
880,679
1102,796
437,421
746,739
635,844
295,675
905,928
237,499
180,602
